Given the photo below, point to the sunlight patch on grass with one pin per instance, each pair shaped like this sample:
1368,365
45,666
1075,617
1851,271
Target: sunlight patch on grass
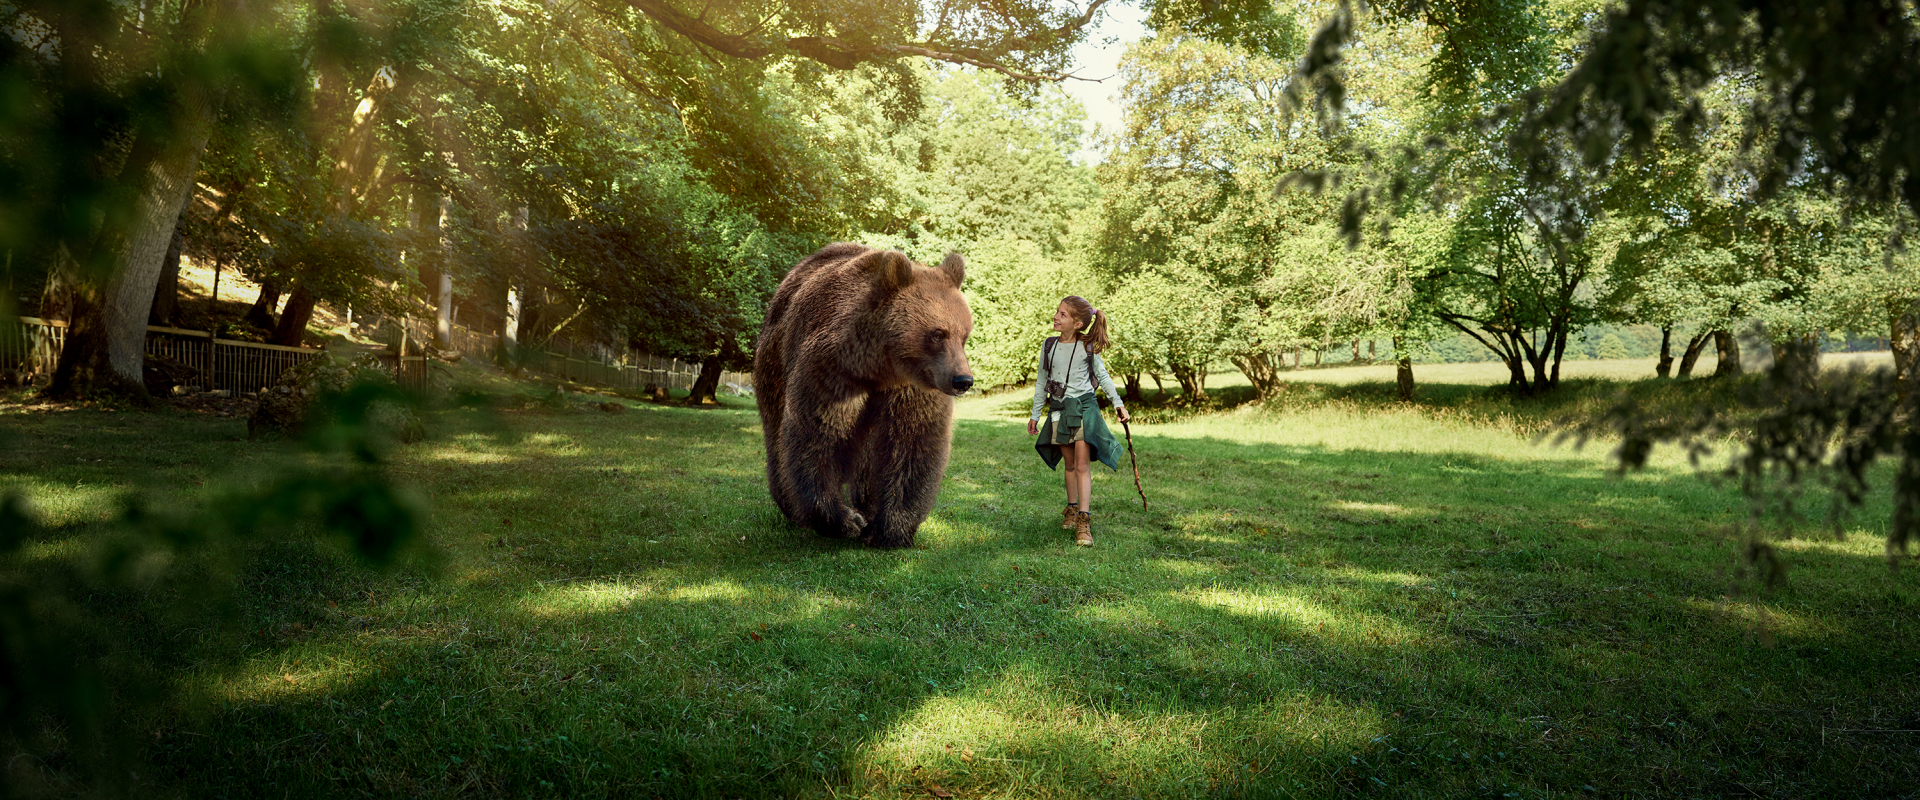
590,597
502,495
469,457
1185,567
1313,618
1761,620
281,679
1387,509
555,440
585,597
1405,579
1027,723
51,549
1859,542
721,590
55,506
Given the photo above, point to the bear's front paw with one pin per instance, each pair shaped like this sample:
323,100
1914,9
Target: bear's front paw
852,525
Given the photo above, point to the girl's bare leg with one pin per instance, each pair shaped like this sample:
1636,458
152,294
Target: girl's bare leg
1085,476
1072,471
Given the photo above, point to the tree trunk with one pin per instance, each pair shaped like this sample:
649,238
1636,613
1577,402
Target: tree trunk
1160,389
1904,340
1559,338
1798,360
261,314
106,345
443,293
1695,346
1665,367
1192,381
166,293
57,297
1130,387
1729,350
708,384
1403,370
1371,352
1516,364
293,321
1296,358
213,299
1260,372
510,316
1356,352
510,328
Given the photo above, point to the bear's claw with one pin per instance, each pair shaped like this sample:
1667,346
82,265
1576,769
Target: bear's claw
852,525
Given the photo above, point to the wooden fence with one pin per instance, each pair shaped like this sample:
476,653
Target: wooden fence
32,346
631,371
235,367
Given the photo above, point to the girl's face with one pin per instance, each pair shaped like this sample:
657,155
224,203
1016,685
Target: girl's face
1063,320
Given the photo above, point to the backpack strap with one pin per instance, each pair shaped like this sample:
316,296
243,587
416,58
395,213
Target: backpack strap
1046,355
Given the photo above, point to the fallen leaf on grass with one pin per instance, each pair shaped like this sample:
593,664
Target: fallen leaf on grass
756,637
936,791
383,706
290,679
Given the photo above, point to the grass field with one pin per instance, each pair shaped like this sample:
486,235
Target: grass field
1330,595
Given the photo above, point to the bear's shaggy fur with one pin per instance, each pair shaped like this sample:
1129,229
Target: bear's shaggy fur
855,372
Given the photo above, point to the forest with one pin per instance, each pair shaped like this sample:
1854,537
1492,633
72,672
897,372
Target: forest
1434,180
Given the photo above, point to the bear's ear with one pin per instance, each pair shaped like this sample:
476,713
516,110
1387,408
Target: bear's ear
890,270
955,268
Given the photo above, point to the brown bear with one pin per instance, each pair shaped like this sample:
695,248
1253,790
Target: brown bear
856,369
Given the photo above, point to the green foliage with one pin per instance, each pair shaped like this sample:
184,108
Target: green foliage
1788,434
1256,27
1612,347
1187,203
65,685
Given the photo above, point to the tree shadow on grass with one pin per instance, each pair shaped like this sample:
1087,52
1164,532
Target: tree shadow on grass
627,614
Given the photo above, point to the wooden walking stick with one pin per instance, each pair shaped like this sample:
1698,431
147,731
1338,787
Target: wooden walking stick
1136,464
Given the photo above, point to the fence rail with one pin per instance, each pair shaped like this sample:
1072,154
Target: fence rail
32,346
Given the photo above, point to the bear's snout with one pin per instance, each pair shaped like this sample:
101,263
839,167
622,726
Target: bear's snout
961,383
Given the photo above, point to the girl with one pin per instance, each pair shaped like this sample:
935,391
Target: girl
1073,429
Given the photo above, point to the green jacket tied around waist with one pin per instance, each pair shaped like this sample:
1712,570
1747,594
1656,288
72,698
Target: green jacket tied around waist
1082,410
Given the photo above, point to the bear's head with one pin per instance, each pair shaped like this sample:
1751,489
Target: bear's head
926,320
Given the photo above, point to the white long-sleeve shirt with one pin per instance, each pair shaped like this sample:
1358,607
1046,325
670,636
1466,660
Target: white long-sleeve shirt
1081,369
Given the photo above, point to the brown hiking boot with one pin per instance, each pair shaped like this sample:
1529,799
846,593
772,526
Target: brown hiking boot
1066,520
1083,529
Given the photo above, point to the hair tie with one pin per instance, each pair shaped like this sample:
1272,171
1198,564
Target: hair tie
1096,312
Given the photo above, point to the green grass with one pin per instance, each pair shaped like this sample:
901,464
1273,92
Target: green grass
1331,595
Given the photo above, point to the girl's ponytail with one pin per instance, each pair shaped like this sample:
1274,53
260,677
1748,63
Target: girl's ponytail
1093,323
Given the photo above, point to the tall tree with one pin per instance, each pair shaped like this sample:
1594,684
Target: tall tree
117,106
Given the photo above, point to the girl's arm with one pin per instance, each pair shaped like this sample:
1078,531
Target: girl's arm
1039,387
1099,370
